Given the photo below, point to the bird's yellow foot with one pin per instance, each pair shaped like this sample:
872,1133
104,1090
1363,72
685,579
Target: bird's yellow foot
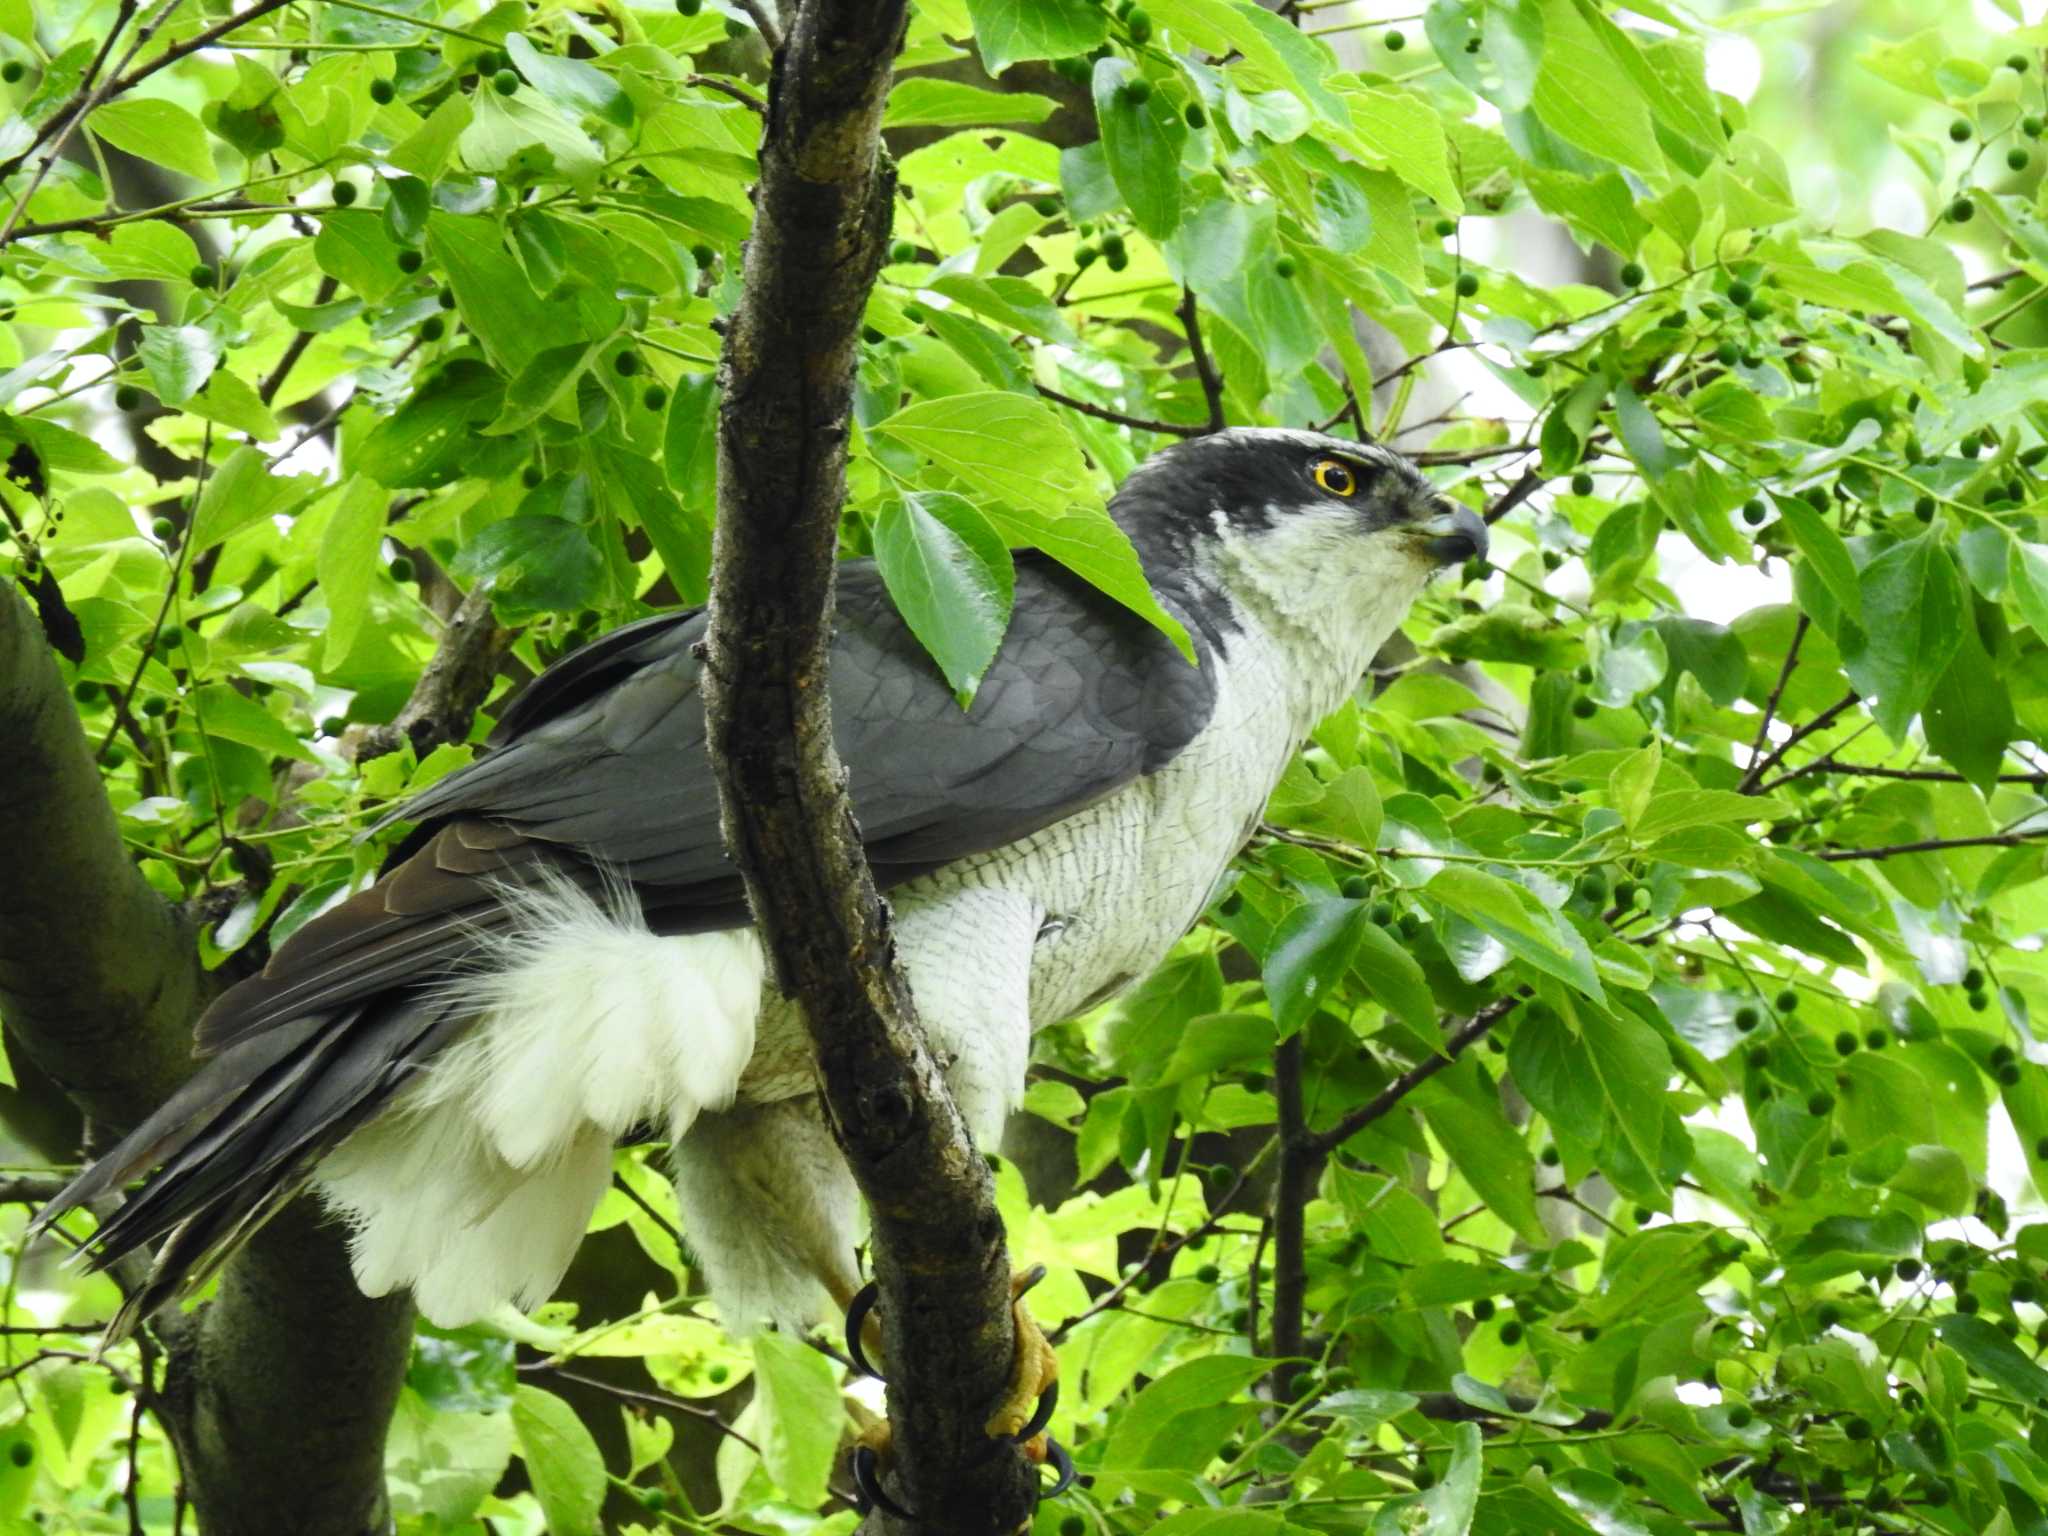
1034,1376
1020,1417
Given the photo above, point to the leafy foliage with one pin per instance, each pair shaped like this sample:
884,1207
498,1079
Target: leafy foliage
1634,985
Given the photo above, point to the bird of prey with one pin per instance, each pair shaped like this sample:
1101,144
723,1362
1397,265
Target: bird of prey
559,951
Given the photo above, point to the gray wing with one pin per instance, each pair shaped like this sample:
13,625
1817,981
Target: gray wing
601,766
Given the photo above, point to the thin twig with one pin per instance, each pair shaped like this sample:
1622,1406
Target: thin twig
1819,722
1763,726
1135,423
1829,763
1934,845
274,380
661,1400
764,23
738,93
1515,494
1384,1102
1205,366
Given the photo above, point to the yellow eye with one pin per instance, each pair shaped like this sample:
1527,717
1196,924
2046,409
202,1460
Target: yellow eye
1335,476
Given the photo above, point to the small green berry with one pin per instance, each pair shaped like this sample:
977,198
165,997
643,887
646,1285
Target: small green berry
1139,22
163,529
410,261
1741,1416
1632,274
2017,63
626,364
1136,91
702,255
1445,228
12,71
1550,1157
2016,159
530,476
126,397
202,276
2031,126
1194,116
902,252
433,328
1787,1001
1511,1332
505,82
1820,1103
1728,354
344,193
1584,708
1876,1039
1960,130
689,7
1961,211
2009,1075
655,397
1283,266
1740,293
1483,1309
1845,1043
1468,284
1973,979
1394,40
1582,484
1754,512
1747,1018
402,569
1045,207
1758,1058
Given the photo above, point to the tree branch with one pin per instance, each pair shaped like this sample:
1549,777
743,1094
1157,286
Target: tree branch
1301,1167
1933,845
100,982
1104,413
1384,1102
1205,366
1763,726
1819,722
823,210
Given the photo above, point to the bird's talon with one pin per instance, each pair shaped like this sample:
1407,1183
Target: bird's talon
1028,1403
866,1466
857,1312
1063,1464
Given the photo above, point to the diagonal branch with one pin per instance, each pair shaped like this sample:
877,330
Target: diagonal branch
1384,1102
823,210
1205,366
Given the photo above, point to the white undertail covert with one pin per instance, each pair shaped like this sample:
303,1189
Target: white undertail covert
475,1187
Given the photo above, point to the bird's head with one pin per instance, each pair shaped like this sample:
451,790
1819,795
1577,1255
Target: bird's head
1298,529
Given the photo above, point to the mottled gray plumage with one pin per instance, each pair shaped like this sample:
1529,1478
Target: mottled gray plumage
598,779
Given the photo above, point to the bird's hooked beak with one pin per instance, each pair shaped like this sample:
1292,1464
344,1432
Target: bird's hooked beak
1454,533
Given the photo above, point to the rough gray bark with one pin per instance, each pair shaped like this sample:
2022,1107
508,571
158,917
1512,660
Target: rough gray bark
821,225
278,1392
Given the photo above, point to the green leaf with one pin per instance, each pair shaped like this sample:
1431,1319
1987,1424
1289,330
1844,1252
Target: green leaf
431,439
800,1415
348,556
1141,144
1824,551
1993,1355
1530,931
1969,716
179,360
1395,979
1309,956
1912,613
571,83
1463,1109
1494,51
950,576
562,1462
690,440
2027,580
919,101
1448,1506
492,294
1582,98
1015,450
537,563
1403,133
242,491
1009,31
158,131
635,492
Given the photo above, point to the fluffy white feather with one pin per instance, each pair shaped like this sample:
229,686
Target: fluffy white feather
475,1186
